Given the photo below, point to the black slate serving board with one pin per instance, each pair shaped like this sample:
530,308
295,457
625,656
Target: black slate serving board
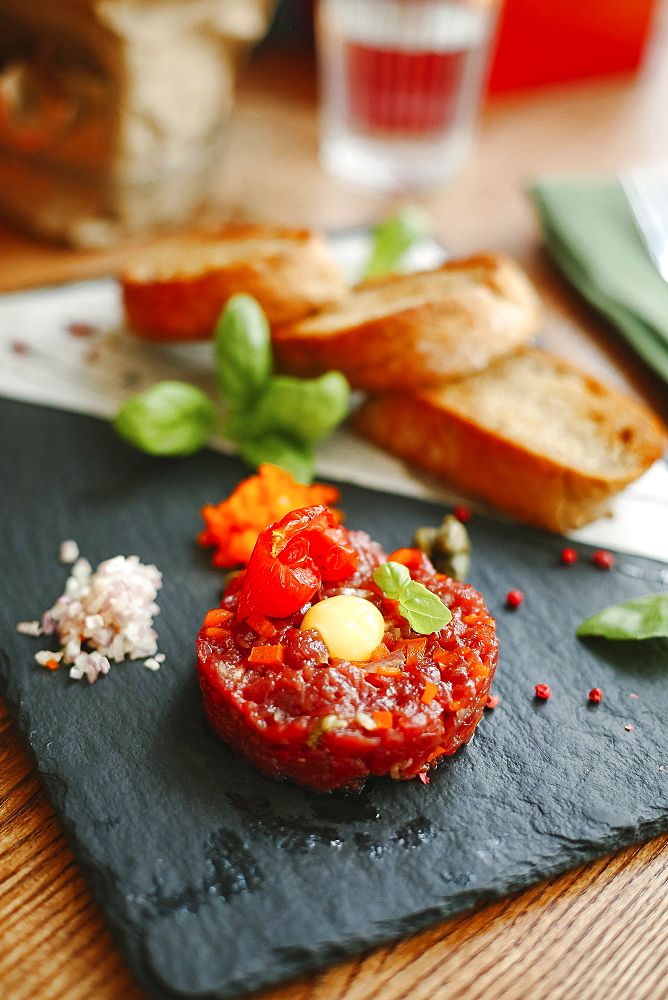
218,881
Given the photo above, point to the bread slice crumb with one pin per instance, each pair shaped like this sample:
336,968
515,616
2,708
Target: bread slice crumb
531,435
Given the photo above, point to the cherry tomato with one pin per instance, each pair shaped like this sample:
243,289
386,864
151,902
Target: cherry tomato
291,559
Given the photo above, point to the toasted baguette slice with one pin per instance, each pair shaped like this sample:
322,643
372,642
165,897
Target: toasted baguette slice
418,329
177,289
531,435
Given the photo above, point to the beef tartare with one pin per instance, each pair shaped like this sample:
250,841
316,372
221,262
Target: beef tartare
327,693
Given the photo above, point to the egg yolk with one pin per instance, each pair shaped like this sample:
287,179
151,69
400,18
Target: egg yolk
350,627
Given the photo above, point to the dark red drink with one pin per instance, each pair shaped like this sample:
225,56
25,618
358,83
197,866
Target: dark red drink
401,81
409,92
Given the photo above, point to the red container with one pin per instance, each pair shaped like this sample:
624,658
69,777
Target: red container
542,42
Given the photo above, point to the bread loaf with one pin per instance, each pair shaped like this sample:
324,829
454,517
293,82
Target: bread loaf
531,435
113,113
177,289
411,330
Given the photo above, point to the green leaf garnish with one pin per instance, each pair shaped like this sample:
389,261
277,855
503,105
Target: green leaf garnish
170,418
424,611
393,237
278,449
639,618
307,409
392,578
243,352
273,419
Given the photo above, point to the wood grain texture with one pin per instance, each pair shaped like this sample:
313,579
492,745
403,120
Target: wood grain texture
598,933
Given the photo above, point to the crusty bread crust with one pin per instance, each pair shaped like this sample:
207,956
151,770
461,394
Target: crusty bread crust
417,329
177,289
476,434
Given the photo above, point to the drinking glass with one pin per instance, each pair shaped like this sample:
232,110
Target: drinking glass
401,83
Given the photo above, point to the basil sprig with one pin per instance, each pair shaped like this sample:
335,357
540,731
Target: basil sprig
425,612
171,418
305,408
271,418
639,618
277,449
243,352
393,237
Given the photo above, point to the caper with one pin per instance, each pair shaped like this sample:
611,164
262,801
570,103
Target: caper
448,547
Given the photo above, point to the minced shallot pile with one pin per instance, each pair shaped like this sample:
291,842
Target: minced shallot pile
102,616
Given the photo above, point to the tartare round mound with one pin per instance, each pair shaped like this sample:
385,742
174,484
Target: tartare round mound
275,693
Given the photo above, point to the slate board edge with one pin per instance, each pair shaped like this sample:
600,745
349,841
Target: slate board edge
130,938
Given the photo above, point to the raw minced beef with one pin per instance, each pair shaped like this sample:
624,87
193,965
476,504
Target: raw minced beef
328,723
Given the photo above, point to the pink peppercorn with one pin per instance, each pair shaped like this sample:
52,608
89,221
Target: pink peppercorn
603,559
596,694
543,691
81,329
492,701
514,598
569,556
462,514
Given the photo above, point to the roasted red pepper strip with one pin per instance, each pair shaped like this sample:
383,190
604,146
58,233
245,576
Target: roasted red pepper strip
291,559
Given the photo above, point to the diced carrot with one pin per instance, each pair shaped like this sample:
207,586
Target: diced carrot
216,632
437,753
429,693
52,664
379,653
266,654
262,626
382,719
387,671
414,650
445,655
217,616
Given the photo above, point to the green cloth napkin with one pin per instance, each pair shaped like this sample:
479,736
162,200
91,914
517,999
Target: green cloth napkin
591,234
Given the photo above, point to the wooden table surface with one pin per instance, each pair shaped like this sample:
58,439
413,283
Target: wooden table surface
597,933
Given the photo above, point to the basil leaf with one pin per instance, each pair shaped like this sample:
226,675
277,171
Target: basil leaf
306,409
424,611
280,450
393,237
243,352
170,418
639,618
392,578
